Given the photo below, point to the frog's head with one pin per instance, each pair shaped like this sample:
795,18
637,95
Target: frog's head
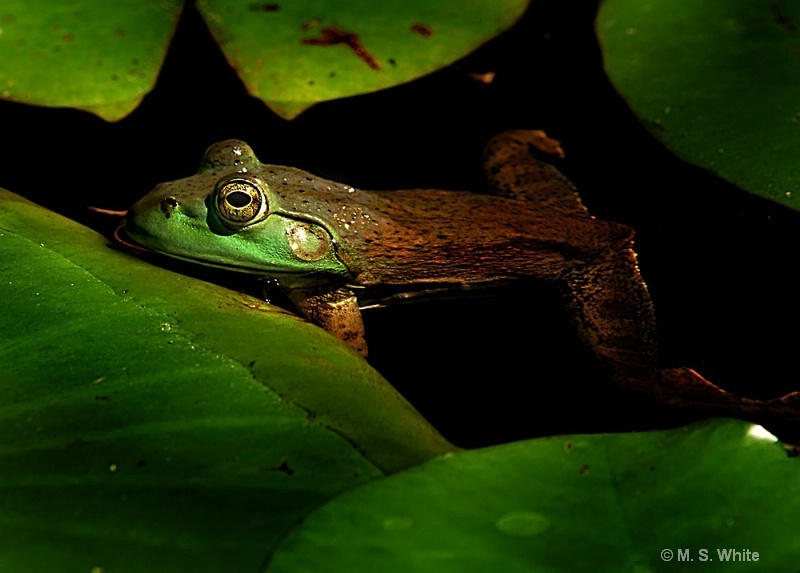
229,215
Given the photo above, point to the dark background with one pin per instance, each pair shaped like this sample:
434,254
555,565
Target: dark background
718,261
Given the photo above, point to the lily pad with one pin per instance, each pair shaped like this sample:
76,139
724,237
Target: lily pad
721,493
717,82
151,421
295,54
102,57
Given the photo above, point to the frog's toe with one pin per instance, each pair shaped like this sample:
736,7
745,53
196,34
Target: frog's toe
536,138
787,406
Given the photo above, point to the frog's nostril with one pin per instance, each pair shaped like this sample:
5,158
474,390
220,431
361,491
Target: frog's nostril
168,205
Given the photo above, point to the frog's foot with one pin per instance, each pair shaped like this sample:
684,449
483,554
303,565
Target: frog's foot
513,171
337,312
685,388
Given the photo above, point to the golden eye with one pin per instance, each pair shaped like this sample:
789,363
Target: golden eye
240,201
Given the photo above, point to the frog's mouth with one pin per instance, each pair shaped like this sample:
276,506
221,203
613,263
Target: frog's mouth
121,237
124,238
119,234
284,278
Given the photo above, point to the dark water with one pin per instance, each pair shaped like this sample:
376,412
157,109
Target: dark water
718,261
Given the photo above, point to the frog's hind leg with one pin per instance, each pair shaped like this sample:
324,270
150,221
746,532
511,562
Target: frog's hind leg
604,294
513,170
610,306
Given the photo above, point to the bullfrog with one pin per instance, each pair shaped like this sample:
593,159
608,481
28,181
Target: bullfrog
335,250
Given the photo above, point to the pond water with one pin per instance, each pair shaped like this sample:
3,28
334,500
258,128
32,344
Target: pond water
718,261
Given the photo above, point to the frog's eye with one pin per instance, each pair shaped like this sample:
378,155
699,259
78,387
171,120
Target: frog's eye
240,202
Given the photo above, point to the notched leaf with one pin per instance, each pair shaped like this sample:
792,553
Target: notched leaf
302,55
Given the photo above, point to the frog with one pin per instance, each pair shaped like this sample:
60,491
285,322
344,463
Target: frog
336,251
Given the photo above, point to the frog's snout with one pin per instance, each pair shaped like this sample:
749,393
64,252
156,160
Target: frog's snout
149,213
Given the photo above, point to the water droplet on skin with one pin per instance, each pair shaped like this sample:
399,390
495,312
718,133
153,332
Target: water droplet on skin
523,524
397,523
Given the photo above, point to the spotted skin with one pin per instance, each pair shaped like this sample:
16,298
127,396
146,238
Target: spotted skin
377,248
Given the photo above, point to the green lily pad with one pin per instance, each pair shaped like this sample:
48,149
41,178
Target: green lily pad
717,82
607,502
295,54
102,57
154,422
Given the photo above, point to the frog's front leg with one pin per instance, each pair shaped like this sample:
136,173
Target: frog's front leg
336,311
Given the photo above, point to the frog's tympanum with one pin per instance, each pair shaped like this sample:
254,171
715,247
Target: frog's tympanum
335,250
